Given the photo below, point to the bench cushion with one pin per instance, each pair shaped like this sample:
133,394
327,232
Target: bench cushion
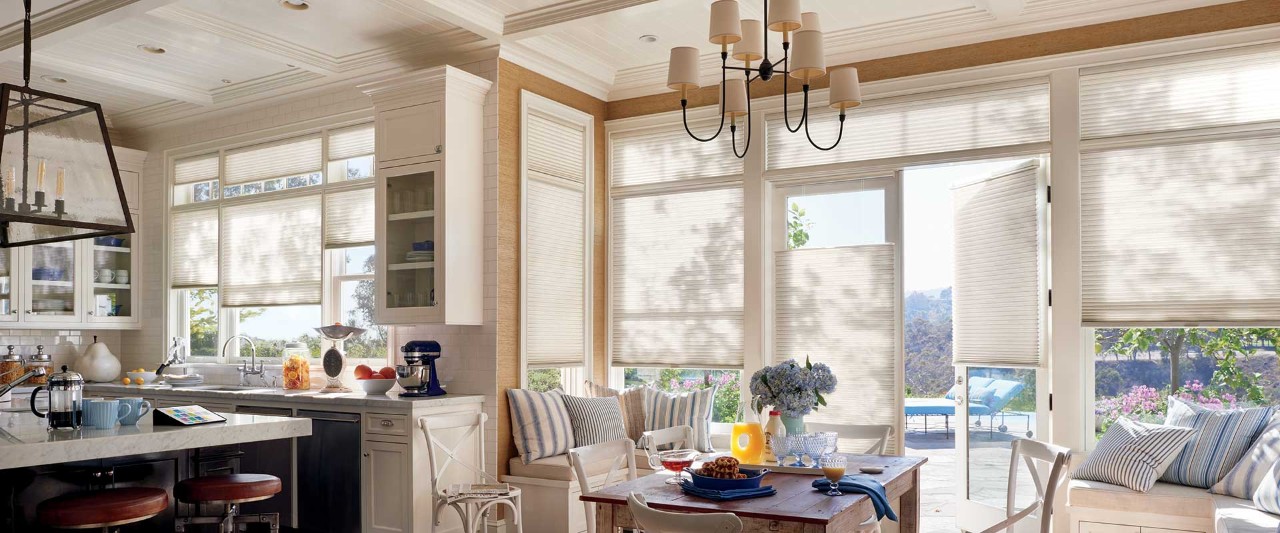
557,467
1163,498
1235,515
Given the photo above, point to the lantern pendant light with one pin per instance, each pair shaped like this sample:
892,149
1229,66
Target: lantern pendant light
54,139
750,44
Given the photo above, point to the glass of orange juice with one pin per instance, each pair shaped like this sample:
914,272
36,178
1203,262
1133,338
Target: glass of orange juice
833,469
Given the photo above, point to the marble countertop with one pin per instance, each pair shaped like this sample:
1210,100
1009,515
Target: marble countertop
24,441
390,400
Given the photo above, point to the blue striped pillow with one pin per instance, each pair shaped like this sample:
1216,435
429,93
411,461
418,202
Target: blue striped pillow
539,424
1244,479
1132,454
693,409
1222,438
1267,498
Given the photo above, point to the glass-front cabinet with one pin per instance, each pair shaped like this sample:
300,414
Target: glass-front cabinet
410,237
111,263
8,289
51,290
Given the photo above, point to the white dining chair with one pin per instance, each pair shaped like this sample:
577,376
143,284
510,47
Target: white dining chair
676,437
472,509
622,452
1046,465
878,434
655,521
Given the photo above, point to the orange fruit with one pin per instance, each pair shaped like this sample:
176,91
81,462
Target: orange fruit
388,372
363,372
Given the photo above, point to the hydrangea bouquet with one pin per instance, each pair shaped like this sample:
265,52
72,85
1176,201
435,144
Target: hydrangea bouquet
794,389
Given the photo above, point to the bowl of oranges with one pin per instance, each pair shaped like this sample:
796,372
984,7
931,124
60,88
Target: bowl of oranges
375,382
139,377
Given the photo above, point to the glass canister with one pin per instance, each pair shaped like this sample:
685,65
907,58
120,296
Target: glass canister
40,359
11,367
296,370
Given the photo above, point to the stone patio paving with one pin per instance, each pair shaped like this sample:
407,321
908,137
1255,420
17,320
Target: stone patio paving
989,456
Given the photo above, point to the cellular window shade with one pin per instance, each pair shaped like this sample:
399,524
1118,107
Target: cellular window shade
1181,234
348,218
271,253
555,273
195,169
1195,91
193,261
998,269
678,280
838,306
354,141
915,125
555,149
667,154
273,160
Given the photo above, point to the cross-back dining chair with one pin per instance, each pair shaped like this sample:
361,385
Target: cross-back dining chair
472,509
877,433
1047,465
622,452
654,521
672,438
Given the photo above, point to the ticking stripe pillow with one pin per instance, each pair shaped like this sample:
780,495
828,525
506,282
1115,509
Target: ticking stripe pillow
632,401
1267,497
1244,479
539,424
1133,454
1222,438
595,420
693,409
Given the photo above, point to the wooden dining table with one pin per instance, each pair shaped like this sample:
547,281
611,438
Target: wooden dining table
796,508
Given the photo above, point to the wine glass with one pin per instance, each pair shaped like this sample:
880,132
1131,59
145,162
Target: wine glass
781,448
795,445
813,446
674,461
833,442
833,468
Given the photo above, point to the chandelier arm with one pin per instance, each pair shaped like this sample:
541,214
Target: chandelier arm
26,44
786,113
747,145
684,104
839,135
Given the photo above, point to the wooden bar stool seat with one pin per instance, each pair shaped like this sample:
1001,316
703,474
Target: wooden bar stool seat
102,509
228,490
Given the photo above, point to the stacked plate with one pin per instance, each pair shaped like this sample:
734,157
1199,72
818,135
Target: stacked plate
188,380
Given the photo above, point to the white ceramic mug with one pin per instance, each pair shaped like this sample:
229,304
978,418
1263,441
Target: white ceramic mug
106,275
122,276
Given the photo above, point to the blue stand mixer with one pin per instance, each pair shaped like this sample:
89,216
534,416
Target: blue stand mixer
418,375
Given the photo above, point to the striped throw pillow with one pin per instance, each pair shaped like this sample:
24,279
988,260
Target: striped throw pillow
1133,454
693,409
1244,479
595,420
1267,497
1222,438
539,424
632,401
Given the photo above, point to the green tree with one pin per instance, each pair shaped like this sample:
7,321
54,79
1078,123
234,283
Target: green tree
798,226
544,379
1228,346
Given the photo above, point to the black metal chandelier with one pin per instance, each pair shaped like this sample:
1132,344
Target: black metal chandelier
750,44
44,131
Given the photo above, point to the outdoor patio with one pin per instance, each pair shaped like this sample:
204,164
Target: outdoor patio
989,470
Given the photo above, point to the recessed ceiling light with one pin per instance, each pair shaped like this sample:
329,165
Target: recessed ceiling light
648,38
53,79
296,5
151,49
227,81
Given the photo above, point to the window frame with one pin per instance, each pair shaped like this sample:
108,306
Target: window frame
228,325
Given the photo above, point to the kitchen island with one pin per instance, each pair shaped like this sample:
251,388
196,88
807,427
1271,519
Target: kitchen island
24,441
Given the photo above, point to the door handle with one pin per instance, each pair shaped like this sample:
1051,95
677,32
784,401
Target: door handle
387,423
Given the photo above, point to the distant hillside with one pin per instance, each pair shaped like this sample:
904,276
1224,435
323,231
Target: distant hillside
927,335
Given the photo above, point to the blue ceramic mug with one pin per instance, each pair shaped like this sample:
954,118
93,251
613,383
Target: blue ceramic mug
103,414
138,409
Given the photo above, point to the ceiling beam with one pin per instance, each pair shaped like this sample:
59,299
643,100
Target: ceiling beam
258,43
535,21
475,17
1002,10
134,81
50,28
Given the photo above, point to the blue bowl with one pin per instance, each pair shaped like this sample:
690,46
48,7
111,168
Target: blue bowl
46,274
424,246
752,481
108,241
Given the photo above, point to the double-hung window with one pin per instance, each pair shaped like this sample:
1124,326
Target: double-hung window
271,240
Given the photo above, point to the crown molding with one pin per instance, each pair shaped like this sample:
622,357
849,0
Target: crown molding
243,89
48,26
522,24
595,84
475,17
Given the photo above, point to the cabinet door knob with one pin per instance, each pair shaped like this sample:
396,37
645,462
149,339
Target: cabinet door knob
387,423
439,147
28,311
366,454
91,312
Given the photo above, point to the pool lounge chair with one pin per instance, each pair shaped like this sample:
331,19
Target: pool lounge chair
992,396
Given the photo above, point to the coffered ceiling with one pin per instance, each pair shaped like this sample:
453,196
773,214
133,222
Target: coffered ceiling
222,53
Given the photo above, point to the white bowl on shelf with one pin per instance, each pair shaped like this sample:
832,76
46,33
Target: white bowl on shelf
142,377
376,386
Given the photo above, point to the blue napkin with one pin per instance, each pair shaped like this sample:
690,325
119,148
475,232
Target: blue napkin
727,495
863,485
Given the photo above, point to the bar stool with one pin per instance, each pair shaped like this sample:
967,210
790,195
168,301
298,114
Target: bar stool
231,491
102,509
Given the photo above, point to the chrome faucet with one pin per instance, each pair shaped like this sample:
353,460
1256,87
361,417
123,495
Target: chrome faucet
6,387
254,368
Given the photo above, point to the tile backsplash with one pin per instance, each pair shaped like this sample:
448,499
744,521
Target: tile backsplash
63,345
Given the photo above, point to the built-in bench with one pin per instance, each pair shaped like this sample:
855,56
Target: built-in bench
1097,507
548,486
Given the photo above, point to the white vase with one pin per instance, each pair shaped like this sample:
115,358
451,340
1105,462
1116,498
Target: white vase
98,363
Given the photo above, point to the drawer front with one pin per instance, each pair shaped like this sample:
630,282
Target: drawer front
393,425
1099,527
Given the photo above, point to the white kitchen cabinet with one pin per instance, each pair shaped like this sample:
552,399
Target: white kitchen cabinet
385,478
430,197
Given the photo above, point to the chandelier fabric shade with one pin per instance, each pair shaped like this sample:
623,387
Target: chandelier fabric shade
751,47
735,98
845,91
725,29
809,21
784,15
808,62
682,70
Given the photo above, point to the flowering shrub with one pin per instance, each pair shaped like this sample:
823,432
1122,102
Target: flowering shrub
724,407
1147,404
793,389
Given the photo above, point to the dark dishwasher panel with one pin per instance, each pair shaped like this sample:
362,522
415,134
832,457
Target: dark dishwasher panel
274,457
329,473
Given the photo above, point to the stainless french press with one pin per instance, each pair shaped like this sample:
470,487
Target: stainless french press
66,400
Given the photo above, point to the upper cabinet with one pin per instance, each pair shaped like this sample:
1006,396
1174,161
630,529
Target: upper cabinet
430,197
